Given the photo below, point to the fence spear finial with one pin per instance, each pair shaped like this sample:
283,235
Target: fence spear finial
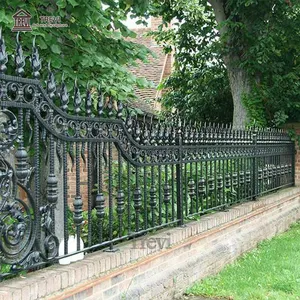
77,98
64,95
51,86
3,54
19,58
88,101
120,110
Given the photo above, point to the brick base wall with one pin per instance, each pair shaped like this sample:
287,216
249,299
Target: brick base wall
163,270
296,128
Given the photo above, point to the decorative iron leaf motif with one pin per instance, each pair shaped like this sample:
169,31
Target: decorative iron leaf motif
82,153
45,144
51,86
3,54
8,130
28,122
19,58
71,154
36,63
59,153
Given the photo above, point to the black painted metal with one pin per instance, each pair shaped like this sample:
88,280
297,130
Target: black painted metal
140,176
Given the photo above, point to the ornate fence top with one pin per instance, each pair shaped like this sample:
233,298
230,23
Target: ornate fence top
73,117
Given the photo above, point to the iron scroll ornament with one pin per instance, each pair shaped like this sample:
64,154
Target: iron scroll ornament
18,227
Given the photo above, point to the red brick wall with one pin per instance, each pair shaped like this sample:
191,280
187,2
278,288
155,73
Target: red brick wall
296,128
72,183
137,271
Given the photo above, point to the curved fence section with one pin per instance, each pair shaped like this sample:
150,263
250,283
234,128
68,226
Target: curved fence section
80,173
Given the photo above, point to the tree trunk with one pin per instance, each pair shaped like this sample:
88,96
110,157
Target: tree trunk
239,85
238,78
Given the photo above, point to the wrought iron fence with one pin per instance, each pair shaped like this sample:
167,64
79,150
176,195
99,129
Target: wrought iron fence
141,176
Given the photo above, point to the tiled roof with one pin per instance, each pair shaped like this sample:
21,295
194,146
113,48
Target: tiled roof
152,71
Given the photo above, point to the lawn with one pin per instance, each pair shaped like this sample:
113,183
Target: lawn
271,271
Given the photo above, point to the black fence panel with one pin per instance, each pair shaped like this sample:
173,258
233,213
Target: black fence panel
139,176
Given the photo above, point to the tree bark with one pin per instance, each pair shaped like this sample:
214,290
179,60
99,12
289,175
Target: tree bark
239,85
238,78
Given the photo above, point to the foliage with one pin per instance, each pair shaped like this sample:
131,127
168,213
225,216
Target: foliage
269,272
210,200
258,37
93,48
198,87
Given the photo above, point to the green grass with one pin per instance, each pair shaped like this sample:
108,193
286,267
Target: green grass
271,271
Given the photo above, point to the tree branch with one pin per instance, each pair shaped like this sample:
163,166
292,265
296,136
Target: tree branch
218,7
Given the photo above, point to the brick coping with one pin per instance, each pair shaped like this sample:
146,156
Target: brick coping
100,266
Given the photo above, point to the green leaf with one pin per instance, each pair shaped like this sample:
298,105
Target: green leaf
61,3
42,45
73,3
55,49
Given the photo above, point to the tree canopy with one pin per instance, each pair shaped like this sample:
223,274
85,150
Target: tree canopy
93,48
256,41
233,59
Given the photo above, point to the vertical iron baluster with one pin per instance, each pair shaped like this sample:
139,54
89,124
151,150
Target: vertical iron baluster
22,170
145,200
129,197
78,218
120,195
215,170
90,174
65,196
223,180
248,178
191,188
37,181
197,190
211,186
167,193
186,190
265,176
88,112
255,167
202,185
159,196
78,200
173,192
238,181
52,191
220,183
152,197
179,175
228,187
206,186
110,196
64,100
137,200
100,200
234,183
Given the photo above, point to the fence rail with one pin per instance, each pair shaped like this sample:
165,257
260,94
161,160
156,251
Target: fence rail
125,176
